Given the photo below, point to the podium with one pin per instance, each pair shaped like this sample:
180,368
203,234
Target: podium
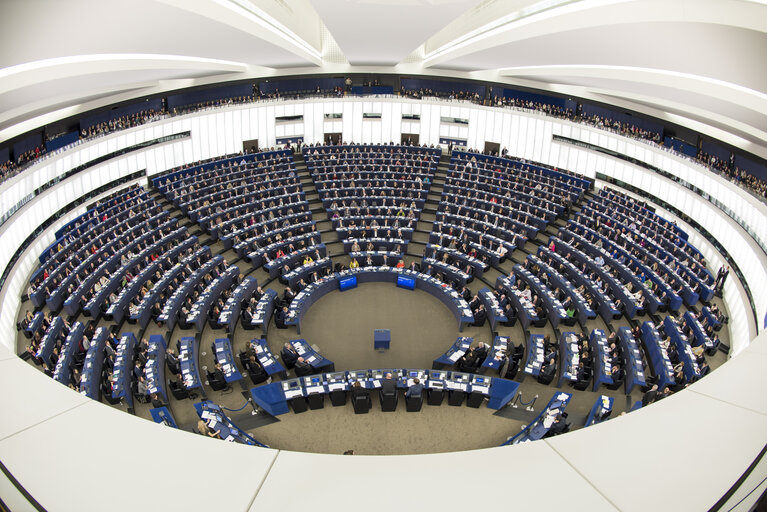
381,339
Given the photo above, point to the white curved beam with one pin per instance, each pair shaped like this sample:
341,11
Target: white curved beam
493,31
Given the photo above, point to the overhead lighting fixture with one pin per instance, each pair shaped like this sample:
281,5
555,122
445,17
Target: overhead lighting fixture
505,23
115,57
252,12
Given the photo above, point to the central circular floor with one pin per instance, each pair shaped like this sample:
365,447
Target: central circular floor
341,324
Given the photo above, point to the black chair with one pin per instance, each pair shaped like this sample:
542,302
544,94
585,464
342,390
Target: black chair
257,375
179,392
546,378
108,396
615,385
217,385
581,385
434,396
298,404
361,403
388,401
519,352
511,370
414,403
243,358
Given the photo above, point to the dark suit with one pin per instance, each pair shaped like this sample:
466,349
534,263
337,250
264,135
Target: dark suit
359,392
388,386
219,375
289,357
479,317
303,368
414,390
480,353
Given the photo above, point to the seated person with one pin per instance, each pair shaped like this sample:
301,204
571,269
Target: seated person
218,373
480,315
289,355
388,385
481,351
415,390
281,317
303,368
468,362
558,427
358,392
354,263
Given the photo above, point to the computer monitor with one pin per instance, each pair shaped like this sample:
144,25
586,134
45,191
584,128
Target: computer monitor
315,380
413,373
479,380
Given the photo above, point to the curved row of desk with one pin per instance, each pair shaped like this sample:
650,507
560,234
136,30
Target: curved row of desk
309,391
401,277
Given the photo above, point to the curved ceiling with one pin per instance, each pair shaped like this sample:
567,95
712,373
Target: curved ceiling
694,62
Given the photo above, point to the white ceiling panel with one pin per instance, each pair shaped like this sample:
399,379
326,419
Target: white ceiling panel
384,32
84,27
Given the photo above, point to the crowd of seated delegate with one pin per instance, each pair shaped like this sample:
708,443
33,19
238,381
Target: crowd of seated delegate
190,283
636,283
282,302
661,256
567,300
254,236
133,260
496,224
224,201
72,234
568,252
248,306
57,347
113,234
664,233
372,191
622,247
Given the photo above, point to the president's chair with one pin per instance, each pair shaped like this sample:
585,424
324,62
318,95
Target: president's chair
388,401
